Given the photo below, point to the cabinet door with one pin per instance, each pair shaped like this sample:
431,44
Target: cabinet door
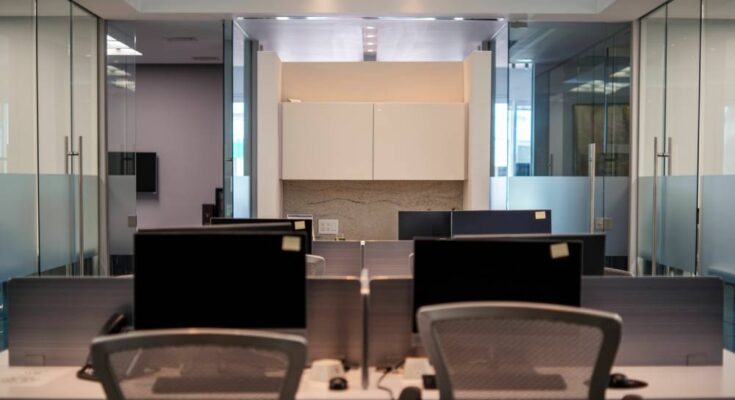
415,141
327,141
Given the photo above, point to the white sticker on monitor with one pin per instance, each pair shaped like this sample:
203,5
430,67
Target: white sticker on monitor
291,243
559,250
299,225
540,214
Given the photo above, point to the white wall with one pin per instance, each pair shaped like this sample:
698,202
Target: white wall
477,93
269,190
179,116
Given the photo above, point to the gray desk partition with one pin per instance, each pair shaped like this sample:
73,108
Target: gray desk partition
344,258
388,257
334,318
51,321
666,320
390,320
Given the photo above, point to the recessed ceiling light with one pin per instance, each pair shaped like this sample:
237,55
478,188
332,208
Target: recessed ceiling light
370,44
240,18
370,50
501,19
316,18
459,18
370,28
283,18
370,36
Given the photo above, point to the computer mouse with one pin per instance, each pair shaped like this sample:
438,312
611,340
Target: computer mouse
410,393
337,383
618,381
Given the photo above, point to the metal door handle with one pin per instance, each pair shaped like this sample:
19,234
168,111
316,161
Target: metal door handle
591,169
80,178
654,211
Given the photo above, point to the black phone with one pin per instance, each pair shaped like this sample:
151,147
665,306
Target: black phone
115,324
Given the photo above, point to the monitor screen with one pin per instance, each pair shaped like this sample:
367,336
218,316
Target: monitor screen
146,175
459,270
501,222
593,246
413,224
220,279
296,225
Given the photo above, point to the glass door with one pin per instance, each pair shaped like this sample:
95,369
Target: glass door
668,148
67,138
85,127
57,160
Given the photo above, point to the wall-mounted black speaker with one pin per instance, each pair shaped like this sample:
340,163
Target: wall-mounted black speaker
146,172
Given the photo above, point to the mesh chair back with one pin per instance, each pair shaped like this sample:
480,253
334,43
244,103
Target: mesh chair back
498,350
199,364
315,265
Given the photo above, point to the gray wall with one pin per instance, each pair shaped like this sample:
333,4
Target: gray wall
368,210
179,116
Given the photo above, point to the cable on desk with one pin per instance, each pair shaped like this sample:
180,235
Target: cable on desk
380,380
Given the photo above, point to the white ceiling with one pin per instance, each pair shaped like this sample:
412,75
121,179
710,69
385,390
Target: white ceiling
168,42
342,39
570,10
551,42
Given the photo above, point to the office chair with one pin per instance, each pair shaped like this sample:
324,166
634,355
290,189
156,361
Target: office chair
199,363
315,265
507,350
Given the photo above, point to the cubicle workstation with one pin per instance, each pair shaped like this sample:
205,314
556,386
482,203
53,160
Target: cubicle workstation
670,329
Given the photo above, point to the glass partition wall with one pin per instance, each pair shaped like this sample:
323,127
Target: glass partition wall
561,129
49,175
240,55
686,222
686,120
121,173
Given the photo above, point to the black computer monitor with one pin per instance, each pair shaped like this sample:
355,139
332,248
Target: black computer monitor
494,222
296,225
413,224
593,246
459,270
220,279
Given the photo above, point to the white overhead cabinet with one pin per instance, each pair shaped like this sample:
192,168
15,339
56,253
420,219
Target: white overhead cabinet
419,141
327,141
374,141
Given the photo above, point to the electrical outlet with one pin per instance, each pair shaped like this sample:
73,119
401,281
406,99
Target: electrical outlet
328,226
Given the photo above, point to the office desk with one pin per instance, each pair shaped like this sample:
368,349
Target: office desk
665,383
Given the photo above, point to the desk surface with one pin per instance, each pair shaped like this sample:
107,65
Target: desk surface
674,383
